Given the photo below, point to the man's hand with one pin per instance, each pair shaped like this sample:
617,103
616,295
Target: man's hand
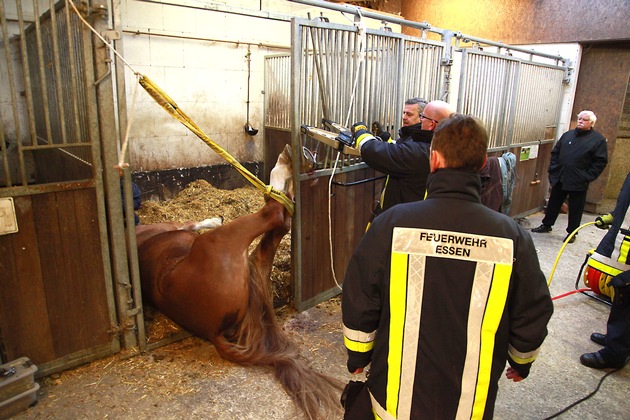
377,130
604,222
360,133
513,375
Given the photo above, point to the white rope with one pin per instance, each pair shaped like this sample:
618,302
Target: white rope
107,44
330,241
121,162
123,149
362,41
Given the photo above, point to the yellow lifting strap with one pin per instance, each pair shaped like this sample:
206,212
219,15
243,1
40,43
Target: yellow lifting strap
171,107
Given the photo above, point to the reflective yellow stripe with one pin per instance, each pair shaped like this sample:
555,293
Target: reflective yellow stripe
476,308
603,267
623,250
358,346
491,320
398,307
522,358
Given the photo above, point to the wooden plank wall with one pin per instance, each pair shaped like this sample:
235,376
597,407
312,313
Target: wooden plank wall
532,181
54,299
351,209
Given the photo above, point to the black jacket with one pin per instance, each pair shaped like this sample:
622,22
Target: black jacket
577,159
450,326
406,162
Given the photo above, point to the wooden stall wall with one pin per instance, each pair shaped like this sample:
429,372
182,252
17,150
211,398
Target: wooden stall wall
54,302
350,210
532,182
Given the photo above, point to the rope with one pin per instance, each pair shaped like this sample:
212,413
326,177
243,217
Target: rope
175,111
362,40
123,150
171,107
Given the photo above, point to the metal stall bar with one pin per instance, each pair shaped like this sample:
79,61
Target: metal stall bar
517,101
277,91
53,57
28,95
423,69
42,85
13,96
540,100
344,74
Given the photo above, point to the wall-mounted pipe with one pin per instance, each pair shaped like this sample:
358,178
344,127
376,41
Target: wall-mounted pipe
424,26
355,10
197,38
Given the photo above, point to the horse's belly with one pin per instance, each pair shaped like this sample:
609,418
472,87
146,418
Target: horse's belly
202,304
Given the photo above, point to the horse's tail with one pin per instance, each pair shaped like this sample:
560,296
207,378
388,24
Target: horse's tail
259,340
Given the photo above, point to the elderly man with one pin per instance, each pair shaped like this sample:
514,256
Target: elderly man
577,159
405,161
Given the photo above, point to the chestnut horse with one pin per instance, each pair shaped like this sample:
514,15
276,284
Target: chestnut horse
209,285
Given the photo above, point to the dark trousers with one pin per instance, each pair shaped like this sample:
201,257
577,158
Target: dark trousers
617,332
577,200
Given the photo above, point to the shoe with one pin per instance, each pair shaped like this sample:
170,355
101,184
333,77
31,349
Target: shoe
570,240
596,361
542,229
599,338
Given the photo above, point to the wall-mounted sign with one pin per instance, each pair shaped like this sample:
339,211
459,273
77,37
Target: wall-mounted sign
529,152
8,221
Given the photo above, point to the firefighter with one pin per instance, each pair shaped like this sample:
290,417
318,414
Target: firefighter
440,293
406,160
612,258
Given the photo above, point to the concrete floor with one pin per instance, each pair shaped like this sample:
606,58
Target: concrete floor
557,379
187,379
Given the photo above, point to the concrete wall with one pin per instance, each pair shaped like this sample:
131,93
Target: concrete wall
600,27
197,53
526,21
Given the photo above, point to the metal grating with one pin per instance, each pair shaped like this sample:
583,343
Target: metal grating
519,102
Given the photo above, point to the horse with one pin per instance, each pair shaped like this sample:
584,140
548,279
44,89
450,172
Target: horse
209,285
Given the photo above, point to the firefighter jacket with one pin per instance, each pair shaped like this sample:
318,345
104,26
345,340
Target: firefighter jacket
612,255
405,162
437,295
577,159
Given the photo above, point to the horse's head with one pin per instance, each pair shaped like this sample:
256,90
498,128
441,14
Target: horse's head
281,177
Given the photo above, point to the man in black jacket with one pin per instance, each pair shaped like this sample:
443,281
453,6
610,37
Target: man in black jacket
611,258
440,292
577,159
405,161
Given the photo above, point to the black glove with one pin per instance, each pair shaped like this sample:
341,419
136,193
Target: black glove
604,222
358,360
522,370
377,130
360,133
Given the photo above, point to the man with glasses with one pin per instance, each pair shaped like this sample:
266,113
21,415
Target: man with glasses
405,161
439,293
577,159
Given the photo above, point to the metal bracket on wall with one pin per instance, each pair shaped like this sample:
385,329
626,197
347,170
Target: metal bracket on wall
111,35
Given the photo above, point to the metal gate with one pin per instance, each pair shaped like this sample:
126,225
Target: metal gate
348,73
345,74
62,241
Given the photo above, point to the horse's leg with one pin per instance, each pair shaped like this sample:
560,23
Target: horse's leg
236,236
263,255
